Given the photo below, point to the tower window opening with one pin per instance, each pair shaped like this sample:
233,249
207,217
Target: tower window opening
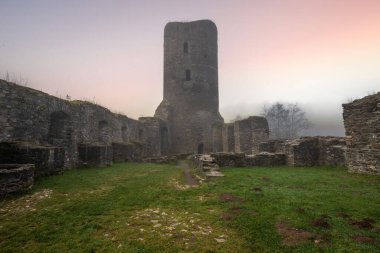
185,47
188,75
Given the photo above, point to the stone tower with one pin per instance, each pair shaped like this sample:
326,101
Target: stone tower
190,106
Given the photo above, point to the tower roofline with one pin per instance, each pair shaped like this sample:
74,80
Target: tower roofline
204,22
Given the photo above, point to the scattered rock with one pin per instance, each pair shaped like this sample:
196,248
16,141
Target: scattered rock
26,203
220,240
173,224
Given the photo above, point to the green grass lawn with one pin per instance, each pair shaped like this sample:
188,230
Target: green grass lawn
146,208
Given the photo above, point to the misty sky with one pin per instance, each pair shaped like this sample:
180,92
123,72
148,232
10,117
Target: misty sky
318,53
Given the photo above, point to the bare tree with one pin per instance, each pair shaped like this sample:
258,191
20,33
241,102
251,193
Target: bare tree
286,121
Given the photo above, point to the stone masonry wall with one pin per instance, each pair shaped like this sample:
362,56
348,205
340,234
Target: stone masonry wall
15,178
309,151
191,98
38,119
302,152
362,124
217,138
249,133
47,160
155,136
228,137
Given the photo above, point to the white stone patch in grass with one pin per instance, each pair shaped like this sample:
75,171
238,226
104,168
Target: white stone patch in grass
176,184
178,226
25,203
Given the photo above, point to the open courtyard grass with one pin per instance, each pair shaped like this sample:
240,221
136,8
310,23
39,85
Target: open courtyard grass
147,208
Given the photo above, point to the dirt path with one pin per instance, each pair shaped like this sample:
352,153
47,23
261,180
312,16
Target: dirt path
189,179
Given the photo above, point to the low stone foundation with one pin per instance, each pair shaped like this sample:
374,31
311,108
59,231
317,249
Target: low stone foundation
161,160
271,146
309,151
125,152
229,159
15,178
95,155
208,165
266,159
336,156
243,160
47,160
302,152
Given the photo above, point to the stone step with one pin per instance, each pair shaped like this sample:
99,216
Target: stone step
214,174
207,168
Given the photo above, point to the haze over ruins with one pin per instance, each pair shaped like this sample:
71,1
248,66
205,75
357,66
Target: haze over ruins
324,56
190,126
54,134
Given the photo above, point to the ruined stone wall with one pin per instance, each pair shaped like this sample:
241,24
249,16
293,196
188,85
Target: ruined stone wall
217,138
228,135
249,133
302,152
154,134
271,146
37,119
15,178
47,159
332,151
191,100
362,124
309,151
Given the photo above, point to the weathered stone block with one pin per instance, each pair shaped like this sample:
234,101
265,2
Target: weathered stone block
266,159
95,155
249,133
47,160
271,146
336,156
362,124
16,178
228,138
302,152
123,152
229,159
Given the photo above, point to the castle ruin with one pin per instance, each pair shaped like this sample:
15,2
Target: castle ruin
190,106
46,134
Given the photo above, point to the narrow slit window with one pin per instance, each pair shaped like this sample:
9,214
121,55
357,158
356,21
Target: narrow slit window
185,47
188,75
